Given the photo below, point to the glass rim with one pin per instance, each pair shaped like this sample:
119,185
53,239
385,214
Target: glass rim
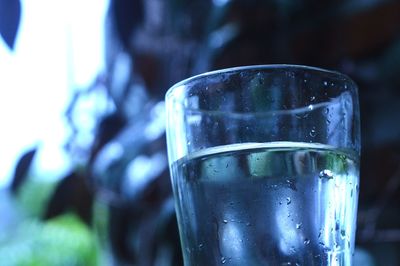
254,67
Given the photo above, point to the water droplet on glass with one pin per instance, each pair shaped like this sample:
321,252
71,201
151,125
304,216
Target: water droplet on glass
291,184
298,226
306,241
223,260
302,115
326,174
225,221
288,200
313,133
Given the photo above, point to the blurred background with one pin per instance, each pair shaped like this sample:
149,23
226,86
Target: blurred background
83,166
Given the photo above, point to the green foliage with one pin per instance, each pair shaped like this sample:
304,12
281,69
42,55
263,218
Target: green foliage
65,240
34,195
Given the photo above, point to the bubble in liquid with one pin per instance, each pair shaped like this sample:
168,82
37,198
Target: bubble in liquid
298,226
223,260
306,241
225,221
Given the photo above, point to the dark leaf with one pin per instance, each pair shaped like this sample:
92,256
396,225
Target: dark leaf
127,15
21,169
10,14
108,128
71,194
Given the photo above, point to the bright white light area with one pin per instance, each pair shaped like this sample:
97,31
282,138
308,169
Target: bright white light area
59,48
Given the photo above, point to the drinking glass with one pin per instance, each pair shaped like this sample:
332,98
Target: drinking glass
264,163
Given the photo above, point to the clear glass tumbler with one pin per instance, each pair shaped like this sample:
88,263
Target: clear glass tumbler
264,163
